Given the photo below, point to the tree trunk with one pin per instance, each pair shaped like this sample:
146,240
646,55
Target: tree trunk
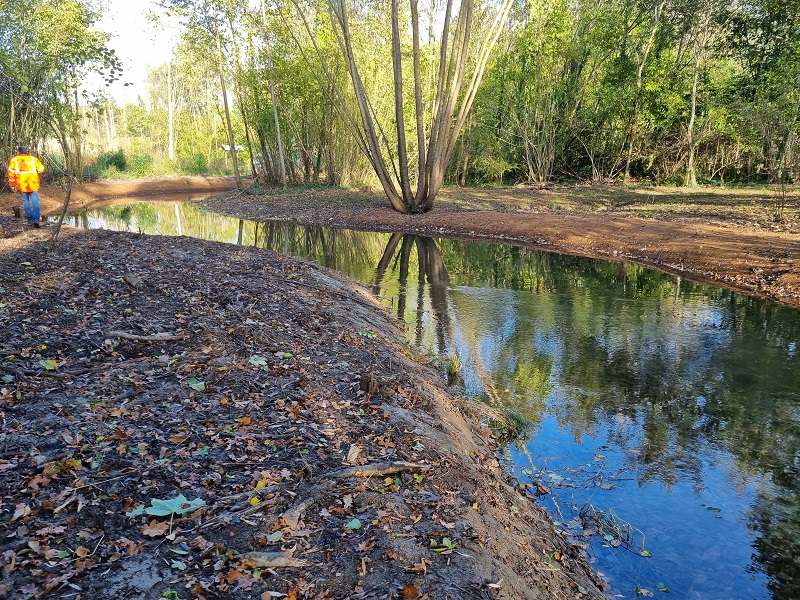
640,69
691,178
170,117
227,112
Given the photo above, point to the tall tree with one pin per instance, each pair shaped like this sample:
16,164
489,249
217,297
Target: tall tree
466,37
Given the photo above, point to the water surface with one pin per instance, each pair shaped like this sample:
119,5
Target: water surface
661,415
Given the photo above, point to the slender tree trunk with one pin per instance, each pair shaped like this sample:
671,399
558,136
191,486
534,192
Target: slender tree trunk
640,69
227,113
691,177
281,158
170,109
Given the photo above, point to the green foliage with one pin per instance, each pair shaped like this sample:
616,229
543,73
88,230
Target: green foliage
560,97
116,160
140,165
195,165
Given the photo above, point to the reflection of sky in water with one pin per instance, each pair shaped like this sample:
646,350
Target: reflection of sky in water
672,404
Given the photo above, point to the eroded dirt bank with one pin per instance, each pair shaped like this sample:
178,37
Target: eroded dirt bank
189,419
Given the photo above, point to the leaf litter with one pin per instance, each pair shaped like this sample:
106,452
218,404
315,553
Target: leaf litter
189,419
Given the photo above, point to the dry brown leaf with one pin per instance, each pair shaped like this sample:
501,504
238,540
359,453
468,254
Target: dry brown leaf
51,530
21,510
155,528
130,547
410,592
422,565
242,580
38,482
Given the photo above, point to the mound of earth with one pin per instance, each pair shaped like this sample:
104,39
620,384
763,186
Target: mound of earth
186,419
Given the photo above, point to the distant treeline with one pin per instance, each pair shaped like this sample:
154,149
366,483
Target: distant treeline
670,91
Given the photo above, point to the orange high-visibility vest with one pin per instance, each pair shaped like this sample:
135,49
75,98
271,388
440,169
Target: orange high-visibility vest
23,172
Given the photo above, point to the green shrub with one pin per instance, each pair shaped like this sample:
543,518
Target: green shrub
112,159
91,172
196,164
140,164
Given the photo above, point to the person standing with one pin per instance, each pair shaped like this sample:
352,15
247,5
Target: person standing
23,176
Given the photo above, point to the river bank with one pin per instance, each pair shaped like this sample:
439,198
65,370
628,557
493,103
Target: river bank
188,419
745,239
726,238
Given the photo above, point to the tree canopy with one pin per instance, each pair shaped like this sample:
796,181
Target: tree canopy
413,96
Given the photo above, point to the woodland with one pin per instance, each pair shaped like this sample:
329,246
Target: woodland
413,96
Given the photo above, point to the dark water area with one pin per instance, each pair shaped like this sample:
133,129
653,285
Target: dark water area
662,416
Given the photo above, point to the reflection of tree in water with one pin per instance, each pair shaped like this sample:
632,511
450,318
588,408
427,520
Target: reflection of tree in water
351,252
431,270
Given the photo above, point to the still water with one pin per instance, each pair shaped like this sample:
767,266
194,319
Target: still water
662,416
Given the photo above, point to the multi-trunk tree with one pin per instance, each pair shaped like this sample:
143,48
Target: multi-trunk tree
430,109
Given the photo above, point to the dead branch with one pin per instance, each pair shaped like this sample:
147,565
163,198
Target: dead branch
16,372
380,469
292,516
273,560
156,337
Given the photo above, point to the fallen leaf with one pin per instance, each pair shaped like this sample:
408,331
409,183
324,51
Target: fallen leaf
421,566
38,482
242,580
410,592
21,510
51,530
197,385
155,528
178,505
352,454
366,545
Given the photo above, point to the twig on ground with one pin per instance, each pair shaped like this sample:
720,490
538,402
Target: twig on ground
156,337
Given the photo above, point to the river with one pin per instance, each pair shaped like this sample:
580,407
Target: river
659,419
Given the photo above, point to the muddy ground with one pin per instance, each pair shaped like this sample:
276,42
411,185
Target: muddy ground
186,419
